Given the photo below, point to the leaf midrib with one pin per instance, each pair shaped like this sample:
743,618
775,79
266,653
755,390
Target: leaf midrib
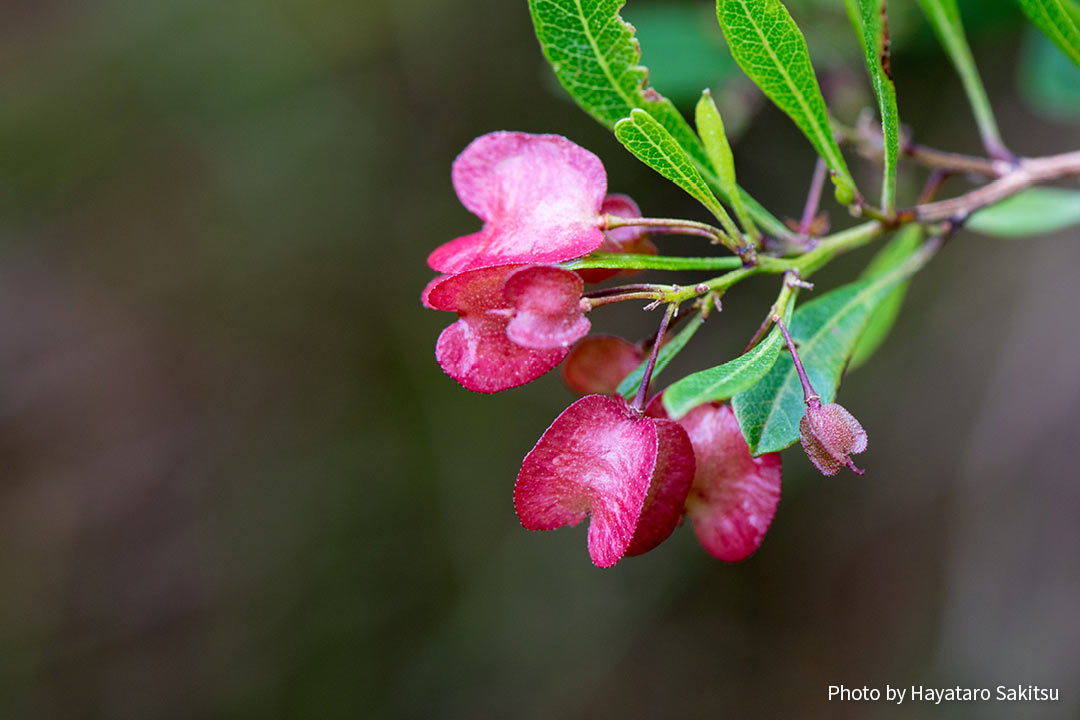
677,166
822,138
600,58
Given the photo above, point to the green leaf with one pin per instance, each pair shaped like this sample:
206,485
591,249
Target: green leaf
1035,211
723,381
628,387
1057,23
826,331
596,58
884,315
1048,81
653,145
944,17
1073,8
771,50
870,18
710,127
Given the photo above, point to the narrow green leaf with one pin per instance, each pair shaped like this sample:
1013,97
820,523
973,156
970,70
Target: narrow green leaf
1036,211
653,145
882,319
826,331
628,387
597,59
944,17
710,127
723,381
870,19
1057,23
771,50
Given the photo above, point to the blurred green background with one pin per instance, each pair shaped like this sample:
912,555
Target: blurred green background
237,485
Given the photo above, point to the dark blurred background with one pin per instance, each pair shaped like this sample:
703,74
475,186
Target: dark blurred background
235,483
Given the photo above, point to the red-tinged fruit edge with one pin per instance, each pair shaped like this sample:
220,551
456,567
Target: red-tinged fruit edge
671,481
538,195
628,473
734,495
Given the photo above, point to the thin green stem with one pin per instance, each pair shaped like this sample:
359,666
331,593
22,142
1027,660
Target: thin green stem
652,262
717,284
829,247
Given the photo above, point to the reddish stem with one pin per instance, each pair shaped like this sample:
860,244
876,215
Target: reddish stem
643,389
937,178
619,289
813,198
588,303
757,335
810,397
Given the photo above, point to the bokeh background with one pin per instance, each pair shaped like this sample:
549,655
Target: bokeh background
234,482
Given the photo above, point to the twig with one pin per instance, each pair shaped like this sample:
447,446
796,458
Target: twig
1027,172
870,144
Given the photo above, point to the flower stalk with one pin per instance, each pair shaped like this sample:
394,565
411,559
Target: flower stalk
638,403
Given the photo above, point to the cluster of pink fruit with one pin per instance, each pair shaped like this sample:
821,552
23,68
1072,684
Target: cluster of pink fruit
630,468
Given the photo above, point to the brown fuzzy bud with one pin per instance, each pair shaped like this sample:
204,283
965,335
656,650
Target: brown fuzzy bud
830,435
